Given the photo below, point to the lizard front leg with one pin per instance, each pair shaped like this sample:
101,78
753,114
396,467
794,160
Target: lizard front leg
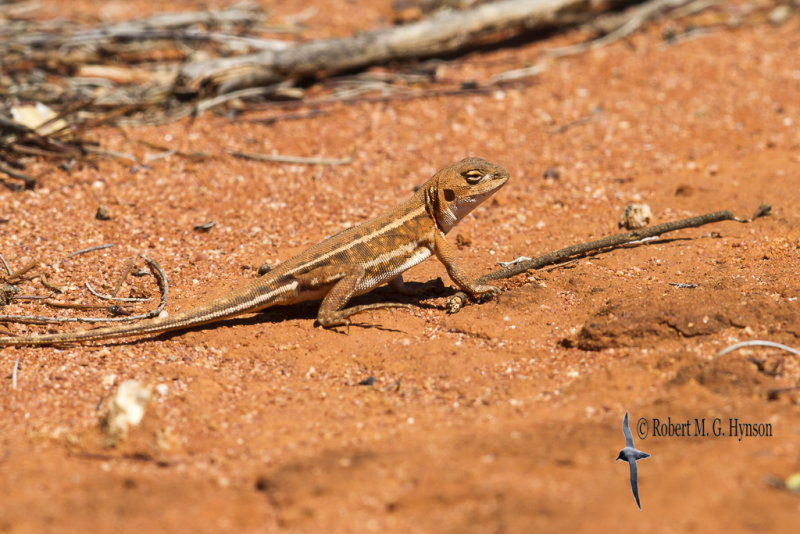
343,282
447,255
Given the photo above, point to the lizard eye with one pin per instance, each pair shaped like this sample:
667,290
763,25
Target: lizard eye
473,176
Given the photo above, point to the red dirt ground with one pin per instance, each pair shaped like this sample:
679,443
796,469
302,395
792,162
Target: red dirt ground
502,418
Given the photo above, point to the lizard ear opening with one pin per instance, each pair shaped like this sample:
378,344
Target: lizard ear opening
449,195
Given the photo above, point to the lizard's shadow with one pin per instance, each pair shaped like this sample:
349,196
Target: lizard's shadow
309,310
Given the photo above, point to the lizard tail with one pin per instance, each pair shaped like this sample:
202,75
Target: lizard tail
250,298
97,334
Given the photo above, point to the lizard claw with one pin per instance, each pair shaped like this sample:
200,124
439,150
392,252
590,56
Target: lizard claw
488,297
487,293
482,294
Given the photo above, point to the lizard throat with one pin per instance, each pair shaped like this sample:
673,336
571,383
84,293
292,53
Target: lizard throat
452,212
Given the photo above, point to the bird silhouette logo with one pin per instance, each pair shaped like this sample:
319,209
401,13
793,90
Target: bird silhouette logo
631,455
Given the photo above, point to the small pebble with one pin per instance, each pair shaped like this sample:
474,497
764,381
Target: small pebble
204,227
102,214
779,15
551,174
635,216
126,408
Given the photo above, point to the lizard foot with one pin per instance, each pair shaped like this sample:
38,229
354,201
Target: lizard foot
482,294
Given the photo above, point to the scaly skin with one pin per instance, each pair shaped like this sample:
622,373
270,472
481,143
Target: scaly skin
345,265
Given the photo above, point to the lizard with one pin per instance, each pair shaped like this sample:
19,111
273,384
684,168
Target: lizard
345,265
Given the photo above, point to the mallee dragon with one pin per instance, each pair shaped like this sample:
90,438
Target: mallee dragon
345,265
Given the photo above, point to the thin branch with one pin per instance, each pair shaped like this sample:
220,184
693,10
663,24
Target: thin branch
516,74
689,35
49,285
14,373
34,297
638,16
276,158
28,180
5,265
515,268
101,296
74,305
373,99
209,103
757,343
165,151
90,249
124,276
19,273
266,121
608,242
112,154
35,151
577,122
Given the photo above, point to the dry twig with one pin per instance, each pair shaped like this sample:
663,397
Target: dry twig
101,296
21,272
128,269
632,22
89,249
442,33
758,343
14,373
297,160
514,268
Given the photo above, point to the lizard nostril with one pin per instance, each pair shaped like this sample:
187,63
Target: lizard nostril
449,195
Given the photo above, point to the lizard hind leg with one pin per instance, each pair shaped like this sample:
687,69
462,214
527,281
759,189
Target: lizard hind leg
344,282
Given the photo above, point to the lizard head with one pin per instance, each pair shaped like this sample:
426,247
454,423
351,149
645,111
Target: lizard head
459,188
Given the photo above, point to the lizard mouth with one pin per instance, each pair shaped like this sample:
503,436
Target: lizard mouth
461,208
